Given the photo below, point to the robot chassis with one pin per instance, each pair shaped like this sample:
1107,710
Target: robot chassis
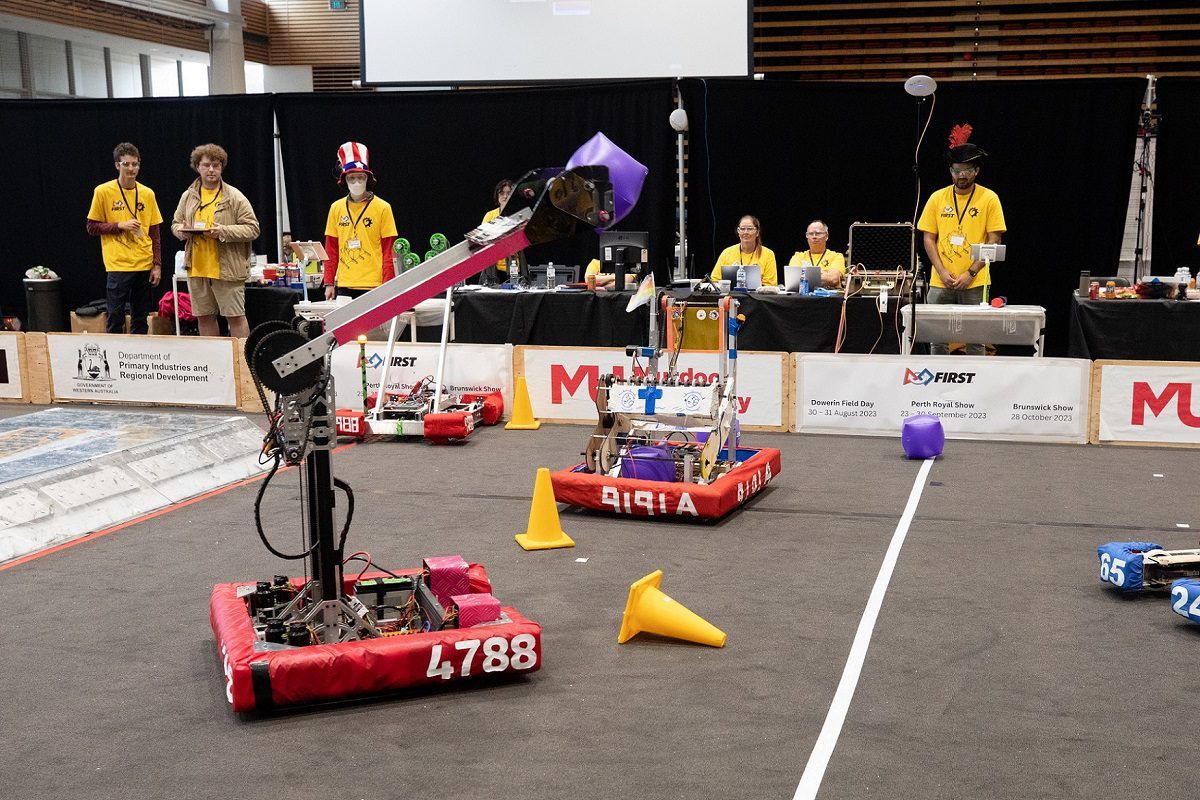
428,409
687,422
326,637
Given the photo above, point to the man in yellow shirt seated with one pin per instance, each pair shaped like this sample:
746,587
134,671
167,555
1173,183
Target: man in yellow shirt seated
832,263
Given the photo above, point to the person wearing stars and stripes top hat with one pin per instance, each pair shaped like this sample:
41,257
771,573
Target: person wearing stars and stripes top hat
956,217
359,231
125,215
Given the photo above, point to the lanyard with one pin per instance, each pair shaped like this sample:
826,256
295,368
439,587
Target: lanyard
753,255
967,206
131,209
819,262
216,197
354,225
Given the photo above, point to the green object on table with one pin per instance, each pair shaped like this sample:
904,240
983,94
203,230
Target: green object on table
438,242
362,363
401,246
410,260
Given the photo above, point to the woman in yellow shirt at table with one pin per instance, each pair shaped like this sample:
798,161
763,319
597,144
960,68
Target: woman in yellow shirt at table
749,250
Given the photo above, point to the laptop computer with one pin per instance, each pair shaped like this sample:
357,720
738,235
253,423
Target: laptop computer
753,276
792,275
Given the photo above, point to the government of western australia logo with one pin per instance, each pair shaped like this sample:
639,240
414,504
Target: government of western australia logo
92,364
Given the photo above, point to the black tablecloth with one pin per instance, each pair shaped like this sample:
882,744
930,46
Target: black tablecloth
265,303
788,323
1162,330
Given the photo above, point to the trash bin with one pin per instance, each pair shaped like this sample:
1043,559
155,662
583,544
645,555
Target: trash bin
44,305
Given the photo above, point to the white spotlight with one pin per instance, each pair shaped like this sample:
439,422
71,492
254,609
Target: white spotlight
920,86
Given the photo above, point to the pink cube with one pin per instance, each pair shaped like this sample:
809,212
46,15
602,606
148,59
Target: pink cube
447,577
476,609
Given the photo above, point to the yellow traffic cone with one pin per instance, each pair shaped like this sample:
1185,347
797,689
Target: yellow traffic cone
522,416
649,610
543,531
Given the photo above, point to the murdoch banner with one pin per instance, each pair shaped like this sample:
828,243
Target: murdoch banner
1149,402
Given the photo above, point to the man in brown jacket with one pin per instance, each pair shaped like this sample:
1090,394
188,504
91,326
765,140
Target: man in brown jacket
216,224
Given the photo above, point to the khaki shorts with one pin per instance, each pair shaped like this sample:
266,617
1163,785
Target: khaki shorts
212,295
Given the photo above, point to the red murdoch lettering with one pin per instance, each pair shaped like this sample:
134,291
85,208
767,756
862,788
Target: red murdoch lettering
1145,397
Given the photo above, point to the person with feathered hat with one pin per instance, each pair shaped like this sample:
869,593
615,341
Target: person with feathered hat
956,217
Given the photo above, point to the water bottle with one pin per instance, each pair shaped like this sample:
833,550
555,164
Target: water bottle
804,284
550,275
740,282
1182,276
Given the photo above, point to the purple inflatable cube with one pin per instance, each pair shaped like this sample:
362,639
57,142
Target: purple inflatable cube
624,172
922,436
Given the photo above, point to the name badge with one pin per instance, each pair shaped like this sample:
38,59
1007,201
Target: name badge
353,244
199,224
957,239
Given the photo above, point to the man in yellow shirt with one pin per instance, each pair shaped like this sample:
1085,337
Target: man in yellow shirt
955,217
125,215
832,264
359,230
216,225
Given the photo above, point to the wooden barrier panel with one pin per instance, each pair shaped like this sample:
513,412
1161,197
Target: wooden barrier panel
1145,402
1014,399
562,381
142,370
14,387
37,372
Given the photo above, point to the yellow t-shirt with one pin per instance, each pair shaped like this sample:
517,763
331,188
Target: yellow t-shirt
125,251
205,263
593,268
981,214
368,223
501,265
764,257
830,259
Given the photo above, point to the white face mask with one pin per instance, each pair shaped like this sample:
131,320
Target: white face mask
357,185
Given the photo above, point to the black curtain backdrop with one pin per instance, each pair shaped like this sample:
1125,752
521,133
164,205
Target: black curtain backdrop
1177,174
68,152
438,155
1061,161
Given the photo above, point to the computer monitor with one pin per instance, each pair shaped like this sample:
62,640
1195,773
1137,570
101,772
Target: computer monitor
623,252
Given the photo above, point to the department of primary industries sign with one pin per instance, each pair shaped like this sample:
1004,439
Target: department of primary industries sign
562,381
470,368
146,370
1149,402
10,367
1022,399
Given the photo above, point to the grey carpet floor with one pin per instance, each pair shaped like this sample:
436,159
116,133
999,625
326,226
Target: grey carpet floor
1000,667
